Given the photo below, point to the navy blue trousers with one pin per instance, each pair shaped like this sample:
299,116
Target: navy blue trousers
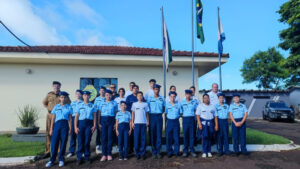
73,138
223,145
156,122
207,134
84,139
188,133
172,134
239,136
107,127
123,139
140,133
59,135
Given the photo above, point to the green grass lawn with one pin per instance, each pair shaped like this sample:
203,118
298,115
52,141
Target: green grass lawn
9,148
259,137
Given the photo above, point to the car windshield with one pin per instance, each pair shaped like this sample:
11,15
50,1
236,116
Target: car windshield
278,105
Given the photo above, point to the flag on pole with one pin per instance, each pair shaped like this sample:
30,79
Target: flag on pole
221,35
199,12
167,49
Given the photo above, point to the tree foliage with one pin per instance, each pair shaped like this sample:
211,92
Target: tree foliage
266,68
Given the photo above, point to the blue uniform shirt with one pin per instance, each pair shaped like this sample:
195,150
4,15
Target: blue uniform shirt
156,105
62,112
108,108
123,117
173,111
238,111
99,100
74,105
222,111
85,111
188,108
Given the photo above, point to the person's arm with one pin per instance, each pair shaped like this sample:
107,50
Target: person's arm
244,118
232,119
216,123
76,124
45,101
147,114
130,127
132,120
70,124
197,113
116,127
94,122
98,118
52,124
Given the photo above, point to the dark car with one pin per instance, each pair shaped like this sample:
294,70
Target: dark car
276,110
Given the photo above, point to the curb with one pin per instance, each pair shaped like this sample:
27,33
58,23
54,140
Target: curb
12,161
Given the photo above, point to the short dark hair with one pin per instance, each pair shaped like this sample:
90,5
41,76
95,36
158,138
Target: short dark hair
172,86
193,87
205,95
152,80
140,92
121,89
56,83
136,86
132,83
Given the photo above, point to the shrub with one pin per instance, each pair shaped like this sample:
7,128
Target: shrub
28,115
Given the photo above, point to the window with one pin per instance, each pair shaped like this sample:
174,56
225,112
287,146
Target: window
93,85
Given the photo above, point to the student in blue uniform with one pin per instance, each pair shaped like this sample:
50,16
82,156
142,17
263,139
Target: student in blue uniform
123,130
73,135
222,114
62,115
97,102
85,125
173,112
207,123
238,113
139,123
156,105
188,108
106,115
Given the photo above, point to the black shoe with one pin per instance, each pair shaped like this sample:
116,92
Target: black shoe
170,155
159,156
79,162
89,161
194,154
246,154
138,157
184,155
235,154
220,154
154,156
144,157
47,155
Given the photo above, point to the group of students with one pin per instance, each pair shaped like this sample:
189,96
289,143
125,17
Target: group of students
130,113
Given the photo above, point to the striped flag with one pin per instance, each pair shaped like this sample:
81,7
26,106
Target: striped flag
199,13
221,35
167,49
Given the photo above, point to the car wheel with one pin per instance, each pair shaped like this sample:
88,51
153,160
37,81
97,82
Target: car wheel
264,117
269,118
292,120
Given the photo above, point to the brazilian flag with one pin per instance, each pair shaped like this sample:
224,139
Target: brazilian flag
199,12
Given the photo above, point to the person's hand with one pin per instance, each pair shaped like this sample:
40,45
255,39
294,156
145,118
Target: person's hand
147,123
237,124
76,130
70,130
200,126
99,125
129,132
50,132
132,125
93,128
117,132
216,128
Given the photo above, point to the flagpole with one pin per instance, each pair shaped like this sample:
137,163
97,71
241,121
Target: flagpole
220,56
193,74
164,61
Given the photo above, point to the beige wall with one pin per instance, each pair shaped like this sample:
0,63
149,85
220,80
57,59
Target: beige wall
18,88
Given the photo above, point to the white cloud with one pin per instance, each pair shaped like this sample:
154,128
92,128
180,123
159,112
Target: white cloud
79,8
19,16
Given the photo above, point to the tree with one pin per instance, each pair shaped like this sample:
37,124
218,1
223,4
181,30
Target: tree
265,67
290,37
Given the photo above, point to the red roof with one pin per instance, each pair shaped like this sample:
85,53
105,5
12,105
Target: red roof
113,50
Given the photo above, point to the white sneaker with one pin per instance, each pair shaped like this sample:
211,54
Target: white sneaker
61,164
203,155
49,164
98,149
209,155
69,155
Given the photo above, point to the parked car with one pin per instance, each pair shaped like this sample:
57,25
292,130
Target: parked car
274,110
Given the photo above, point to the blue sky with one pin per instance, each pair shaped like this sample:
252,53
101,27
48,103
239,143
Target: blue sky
249,25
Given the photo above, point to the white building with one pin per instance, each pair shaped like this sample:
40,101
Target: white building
26,74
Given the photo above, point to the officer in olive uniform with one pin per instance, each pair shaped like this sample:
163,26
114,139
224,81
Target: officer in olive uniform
49,102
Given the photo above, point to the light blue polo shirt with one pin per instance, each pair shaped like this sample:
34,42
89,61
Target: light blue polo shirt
74,104
188,108
99,100
123,117
222,111
86,111
238,111
156,105
62,112
173,111
108,108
